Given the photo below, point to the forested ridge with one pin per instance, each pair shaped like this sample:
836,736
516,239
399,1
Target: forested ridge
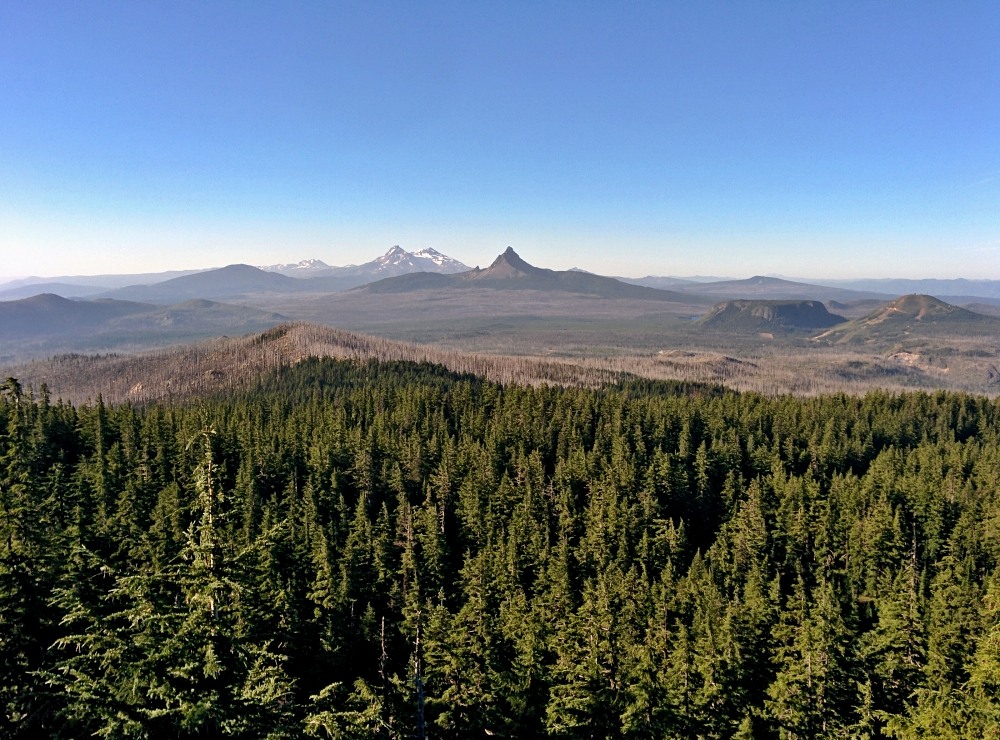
388,550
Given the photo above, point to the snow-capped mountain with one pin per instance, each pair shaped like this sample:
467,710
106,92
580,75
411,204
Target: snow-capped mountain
398,261
304,268
395,256
440,260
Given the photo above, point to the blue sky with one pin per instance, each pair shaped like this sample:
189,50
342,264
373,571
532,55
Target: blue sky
818,139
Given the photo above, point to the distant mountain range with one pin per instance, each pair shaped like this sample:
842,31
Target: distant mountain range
242,298
316,276
81,286
48,314
235,280
771,288
509,272
66,290
426,295
47,324
96,282
397,261
303,268
959,289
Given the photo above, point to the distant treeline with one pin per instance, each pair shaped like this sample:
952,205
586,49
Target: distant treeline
392,550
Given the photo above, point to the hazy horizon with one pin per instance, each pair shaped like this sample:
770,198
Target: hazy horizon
819,279
828,141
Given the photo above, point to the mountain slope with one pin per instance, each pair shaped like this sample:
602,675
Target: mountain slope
224,283
49,324
397,261
197,317
510,266
301,269
49,315
228,363
912,315
510,272
769,316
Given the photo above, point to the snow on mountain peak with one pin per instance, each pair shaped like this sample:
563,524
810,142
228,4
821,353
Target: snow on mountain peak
422,259
396,261
395,256
433,255
301,266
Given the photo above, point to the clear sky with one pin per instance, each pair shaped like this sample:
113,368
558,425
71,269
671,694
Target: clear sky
822,139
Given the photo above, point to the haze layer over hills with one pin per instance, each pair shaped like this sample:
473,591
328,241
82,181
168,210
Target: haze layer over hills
765,333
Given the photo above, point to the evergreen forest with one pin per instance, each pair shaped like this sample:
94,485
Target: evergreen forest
392,550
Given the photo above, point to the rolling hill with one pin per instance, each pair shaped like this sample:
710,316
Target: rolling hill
748,316
50,324
48,315
229,363
229,282
910,316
